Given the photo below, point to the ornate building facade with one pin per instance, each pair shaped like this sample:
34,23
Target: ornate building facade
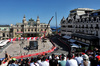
4,31
83,25
29,28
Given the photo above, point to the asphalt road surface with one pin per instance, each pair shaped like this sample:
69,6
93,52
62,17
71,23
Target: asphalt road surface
61,48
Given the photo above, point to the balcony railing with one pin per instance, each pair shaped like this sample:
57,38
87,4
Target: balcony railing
96,27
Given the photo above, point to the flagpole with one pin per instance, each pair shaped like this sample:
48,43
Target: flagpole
56,22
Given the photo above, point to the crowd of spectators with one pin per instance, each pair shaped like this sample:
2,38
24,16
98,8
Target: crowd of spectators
72,59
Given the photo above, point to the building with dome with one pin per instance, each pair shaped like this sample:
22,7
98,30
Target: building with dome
29,28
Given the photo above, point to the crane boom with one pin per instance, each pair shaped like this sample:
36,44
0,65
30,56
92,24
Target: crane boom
47,26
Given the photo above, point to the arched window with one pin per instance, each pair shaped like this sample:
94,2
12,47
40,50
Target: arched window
41,29
17,30
80,20
83,20
97,19
87,19
31,29
96,33
3,34
35,29
92,19
28,29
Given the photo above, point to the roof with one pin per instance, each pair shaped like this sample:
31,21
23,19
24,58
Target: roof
85,9
96,11
4,26
86,37
18,23
67,37
72,40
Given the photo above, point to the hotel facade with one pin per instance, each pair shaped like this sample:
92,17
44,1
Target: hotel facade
83,25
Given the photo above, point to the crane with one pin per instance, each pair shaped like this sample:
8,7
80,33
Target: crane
47,26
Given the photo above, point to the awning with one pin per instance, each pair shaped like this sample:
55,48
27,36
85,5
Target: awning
67,37
71,40
75,45
83,43
87,37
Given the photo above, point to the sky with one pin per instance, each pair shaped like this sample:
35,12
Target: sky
12,11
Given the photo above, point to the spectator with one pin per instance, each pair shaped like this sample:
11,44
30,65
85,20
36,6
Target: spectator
53,61
71,61
93,61
44,62
39,59
78,59
98,59
62,62
58,59
85,61
5,61
35,62
32,62
64,57
13,62
24,63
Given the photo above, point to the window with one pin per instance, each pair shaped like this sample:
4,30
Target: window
89,19
4,28
79,26
17,30
97,19
94,18
63,22
35,29
91,26
7,35
76,26
78,20
97,27
41,29
44,25
21,30
25,29
41,25
64,30
64,26
86,26
82,26
3,34
96,33
28,29
31,29
69,26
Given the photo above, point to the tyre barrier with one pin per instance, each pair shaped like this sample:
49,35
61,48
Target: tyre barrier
28,38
